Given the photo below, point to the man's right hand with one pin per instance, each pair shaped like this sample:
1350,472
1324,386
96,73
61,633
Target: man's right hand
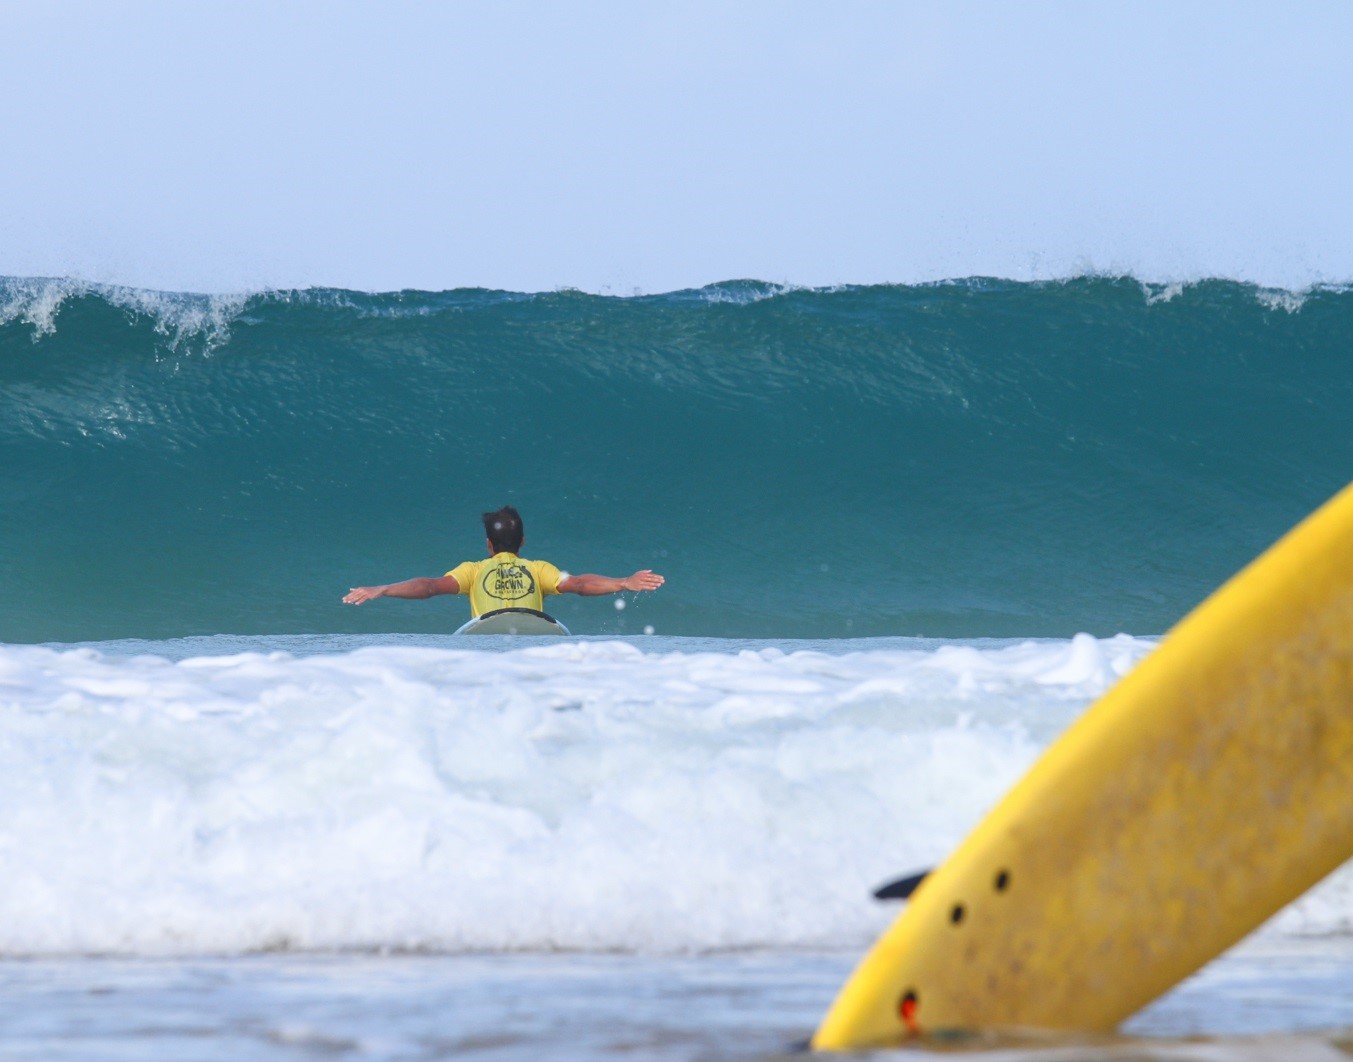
643,580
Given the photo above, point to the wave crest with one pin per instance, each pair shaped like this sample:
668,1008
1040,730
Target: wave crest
200,322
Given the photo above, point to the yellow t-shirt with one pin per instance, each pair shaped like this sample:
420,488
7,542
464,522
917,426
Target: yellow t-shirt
506,581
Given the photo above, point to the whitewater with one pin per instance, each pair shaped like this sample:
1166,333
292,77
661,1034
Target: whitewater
592,795
910,534
381,845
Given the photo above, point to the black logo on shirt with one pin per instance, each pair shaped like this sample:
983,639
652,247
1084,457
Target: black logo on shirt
509,582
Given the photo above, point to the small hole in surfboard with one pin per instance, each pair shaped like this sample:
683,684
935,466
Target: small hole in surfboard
906,1010
956,915
1002,880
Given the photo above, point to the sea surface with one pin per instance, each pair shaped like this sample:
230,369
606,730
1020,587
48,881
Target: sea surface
979,458
910,534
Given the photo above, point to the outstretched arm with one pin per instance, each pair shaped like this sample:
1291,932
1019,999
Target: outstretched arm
412,588
593,585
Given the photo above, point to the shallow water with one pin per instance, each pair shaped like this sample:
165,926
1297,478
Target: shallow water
404,847
1289,1000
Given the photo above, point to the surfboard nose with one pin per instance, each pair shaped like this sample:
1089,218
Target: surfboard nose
1206,790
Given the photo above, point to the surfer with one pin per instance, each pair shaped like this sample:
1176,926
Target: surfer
506,580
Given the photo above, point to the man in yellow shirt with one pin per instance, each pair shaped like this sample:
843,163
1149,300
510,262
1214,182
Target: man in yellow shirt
506,580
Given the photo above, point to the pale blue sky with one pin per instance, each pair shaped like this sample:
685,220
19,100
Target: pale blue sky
627,146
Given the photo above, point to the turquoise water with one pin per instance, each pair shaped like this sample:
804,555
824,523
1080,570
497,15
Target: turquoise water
1289,1002
969,459
246,818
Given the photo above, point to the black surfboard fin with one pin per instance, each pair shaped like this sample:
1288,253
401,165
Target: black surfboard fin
902,888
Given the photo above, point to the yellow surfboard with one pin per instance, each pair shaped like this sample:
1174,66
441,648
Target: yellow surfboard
1208,789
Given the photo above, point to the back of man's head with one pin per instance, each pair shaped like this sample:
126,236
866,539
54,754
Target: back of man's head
504,530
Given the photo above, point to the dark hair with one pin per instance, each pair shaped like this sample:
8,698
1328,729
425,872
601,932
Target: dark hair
504,529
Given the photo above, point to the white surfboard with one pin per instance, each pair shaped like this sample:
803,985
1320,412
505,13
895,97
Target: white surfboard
514,621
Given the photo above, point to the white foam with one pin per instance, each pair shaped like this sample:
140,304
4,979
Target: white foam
34,301
1282,299
180,318
746,293
583,795
1162,292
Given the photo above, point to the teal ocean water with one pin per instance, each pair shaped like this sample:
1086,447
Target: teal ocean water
955,460
901,527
